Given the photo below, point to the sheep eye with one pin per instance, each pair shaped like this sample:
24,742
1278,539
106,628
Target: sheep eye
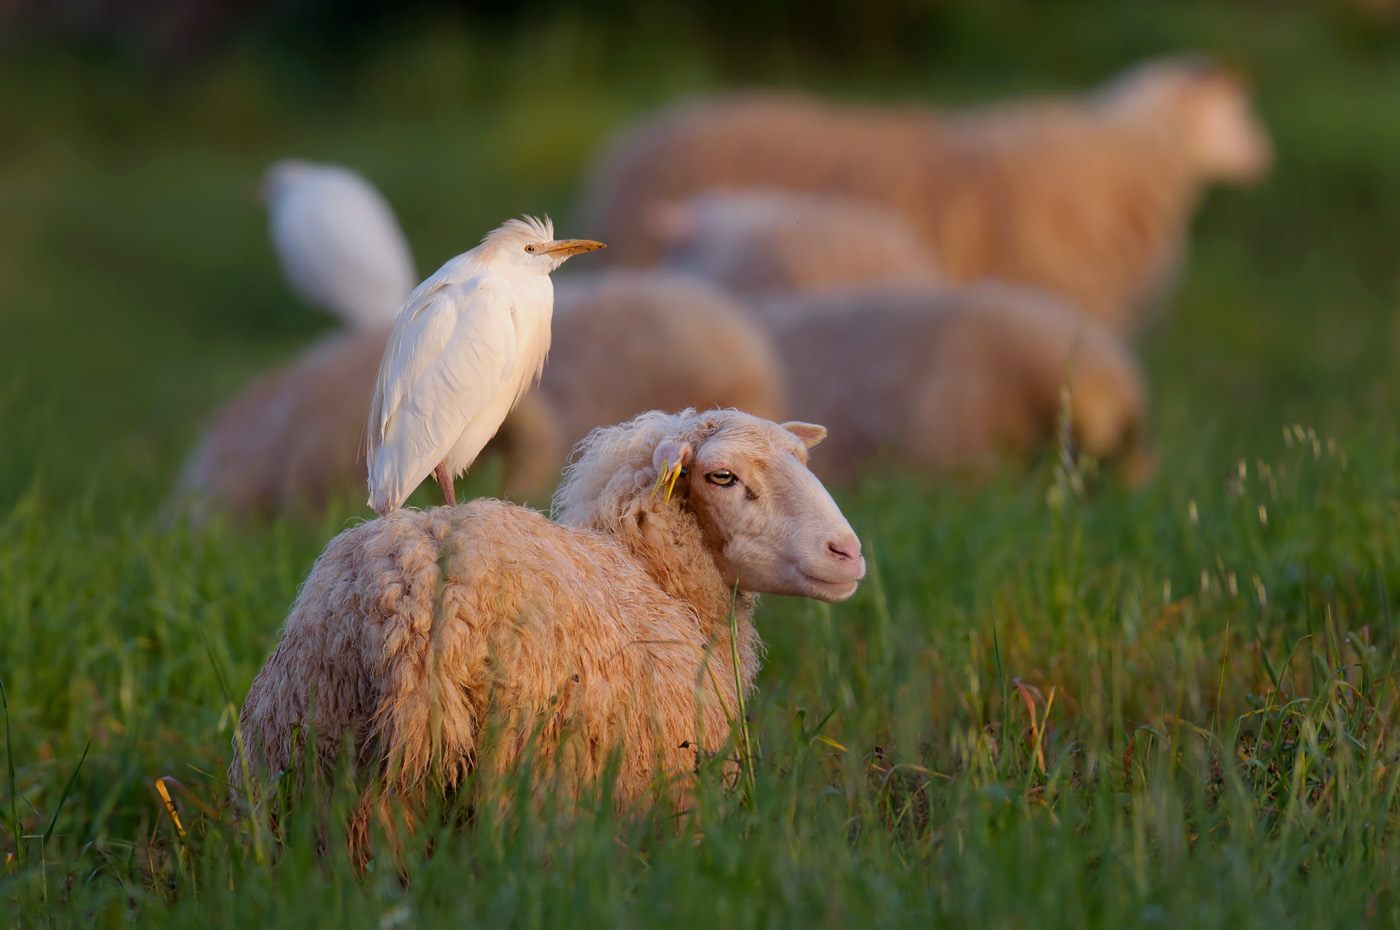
722,478
529,248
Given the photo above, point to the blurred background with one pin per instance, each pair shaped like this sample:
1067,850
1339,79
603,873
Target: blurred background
138,288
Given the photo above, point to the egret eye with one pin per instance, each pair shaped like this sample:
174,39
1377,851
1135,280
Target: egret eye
529,248
723,478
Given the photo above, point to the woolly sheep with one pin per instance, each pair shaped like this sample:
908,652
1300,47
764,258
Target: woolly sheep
950,381
624,342
293,440
425,637
1089,199
770,240
628,341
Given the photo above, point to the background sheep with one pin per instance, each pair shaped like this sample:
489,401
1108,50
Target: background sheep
769,240
629,341
293,441
607,631
1088,199
954,380
624,342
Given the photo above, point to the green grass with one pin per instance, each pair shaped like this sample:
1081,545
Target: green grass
1172,707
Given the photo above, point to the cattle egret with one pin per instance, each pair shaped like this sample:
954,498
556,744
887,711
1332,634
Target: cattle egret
467,344
338,241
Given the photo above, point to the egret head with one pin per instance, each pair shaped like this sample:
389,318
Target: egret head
528,246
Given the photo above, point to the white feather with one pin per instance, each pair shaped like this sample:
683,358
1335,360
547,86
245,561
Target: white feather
465,347
338,241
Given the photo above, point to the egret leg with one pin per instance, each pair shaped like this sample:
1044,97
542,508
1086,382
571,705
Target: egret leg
444,480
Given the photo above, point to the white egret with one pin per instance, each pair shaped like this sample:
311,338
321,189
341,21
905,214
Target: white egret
339,243
467,344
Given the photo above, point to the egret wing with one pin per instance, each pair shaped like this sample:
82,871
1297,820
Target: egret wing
451,354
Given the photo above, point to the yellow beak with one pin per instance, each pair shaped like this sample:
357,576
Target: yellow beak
567,247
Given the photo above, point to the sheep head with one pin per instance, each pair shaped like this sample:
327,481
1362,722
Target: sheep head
1209,107
769,522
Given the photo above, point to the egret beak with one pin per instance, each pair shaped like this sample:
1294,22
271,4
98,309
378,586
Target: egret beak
256,191
567,247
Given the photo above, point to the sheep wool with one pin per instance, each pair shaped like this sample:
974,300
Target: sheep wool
292,442
432,643
624,342
770,241
1087,198
966,378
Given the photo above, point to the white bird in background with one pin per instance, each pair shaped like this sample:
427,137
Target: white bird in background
339,243
467,344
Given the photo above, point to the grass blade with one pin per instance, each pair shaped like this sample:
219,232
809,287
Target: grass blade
13,824
63,798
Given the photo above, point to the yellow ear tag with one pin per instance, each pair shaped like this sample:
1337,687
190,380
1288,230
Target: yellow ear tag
675,474
666,478
660,478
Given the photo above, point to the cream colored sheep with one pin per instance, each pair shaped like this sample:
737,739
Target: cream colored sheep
1087,198
422,638
630,341
770,240
624,342
293,441
945,381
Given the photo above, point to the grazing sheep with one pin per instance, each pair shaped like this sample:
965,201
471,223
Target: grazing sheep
1088,199
630,341
338,241
769,240
426,637
293,441
955,380
624,342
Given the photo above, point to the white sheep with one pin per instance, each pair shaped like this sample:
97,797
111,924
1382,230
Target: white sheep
956,380
770,240
1087,198
420,639
629,341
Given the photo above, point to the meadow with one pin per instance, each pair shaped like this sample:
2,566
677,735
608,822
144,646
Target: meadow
1055,701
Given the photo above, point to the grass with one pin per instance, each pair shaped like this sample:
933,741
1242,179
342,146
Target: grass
1169,707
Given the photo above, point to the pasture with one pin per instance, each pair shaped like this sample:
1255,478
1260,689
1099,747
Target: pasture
1053,702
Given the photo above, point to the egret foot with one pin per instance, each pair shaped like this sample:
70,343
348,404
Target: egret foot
445,481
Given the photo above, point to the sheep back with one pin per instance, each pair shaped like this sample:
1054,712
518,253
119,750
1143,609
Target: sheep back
434,642
948,380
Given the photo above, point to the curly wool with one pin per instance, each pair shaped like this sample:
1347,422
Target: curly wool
418,632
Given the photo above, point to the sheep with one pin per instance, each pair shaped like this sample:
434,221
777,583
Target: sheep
769,240
1089,199
627,341
954,380
292,442
624,342
422,637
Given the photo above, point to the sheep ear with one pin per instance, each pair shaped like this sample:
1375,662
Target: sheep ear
671,453
809,433
671,222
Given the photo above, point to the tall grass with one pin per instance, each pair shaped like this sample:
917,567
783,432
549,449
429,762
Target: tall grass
1044,707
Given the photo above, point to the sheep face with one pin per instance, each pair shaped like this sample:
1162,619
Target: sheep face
1227,141
772,525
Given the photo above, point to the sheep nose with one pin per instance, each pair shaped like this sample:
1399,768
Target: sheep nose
844,550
